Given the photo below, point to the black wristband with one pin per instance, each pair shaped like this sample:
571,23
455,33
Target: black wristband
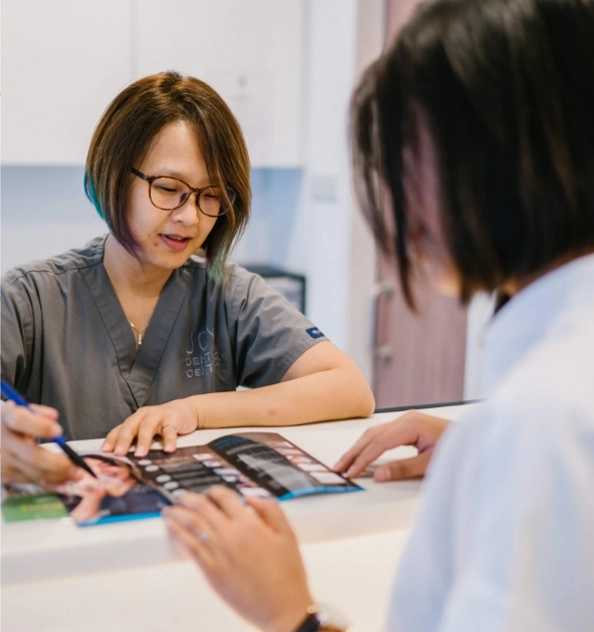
311,623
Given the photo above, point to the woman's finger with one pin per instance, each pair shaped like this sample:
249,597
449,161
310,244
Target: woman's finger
169,435
11,474
271,513
197,547
414,467
73,473
412,428
110,439
393,435
15,470
228,501
352,453
127,432
148,428
35,458
21,461
205,508
35,424
201,528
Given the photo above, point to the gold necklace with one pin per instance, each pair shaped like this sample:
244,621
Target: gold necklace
138,331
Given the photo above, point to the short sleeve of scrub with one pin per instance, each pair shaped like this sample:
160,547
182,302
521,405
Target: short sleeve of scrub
17,335
269,333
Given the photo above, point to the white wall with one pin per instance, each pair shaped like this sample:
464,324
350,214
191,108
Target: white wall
44,212
480,313
320,239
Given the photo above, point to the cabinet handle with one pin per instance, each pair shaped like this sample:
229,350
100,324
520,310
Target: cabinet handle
378,289
383,353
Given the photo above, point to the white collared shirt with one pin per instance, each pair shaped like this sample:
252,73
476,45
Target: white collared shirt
504,538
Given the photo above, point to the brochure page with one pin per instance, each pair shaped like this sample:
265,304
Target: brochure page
261,464
117,494
255,463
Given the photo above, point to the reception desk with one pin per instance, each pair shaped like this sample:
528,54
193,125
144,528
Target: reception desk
129,576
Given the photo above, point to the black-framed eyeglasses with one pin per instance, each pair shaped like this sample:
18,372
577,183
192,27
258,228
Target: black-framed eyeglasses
168,194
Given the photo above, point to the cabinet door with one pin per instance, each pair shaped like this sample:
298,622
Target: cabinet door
63,62
419,358
250,52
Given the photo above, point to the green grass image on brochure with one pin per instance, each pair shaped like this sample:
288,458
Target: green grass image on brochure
43,506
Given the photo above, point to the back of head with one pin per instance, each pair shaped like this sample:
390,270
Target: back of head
124,135
506,88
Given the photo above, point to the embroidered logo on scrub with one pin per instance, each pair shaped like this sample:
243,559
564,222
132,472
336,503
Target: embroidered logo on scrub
314,332
201,359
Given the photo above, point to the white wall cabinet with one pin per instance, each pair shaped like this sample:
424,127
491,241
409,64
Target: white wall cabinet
251,52
62,63
64,60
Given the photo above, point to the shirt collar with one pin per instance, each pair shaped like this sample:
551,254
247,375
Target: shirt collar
534,312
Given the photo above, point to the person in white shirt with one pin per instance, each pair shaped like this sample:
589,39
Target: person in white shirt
473,145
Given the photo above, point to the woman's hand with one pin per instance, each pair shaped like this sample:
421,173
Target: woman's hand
22,458
166,420
249,555
413,428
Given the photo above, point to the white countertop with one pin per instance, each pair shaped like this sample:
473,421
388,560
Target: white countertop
129,576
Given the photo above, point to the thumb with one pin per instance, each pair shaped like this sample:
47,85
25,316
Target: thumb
271,514
414,467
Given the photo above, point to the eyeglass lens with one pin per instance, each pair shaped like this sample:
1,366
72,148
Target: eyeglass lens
169,194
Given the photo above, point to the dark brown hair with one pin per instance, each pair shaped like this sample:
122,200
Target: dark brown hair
125,133
507,90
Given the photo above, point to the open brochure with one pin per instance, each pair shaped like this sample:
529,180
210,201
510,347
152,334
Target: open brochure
254,464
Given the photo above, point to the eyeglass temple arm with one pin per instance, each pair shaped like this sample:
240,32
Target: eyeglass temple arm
141,175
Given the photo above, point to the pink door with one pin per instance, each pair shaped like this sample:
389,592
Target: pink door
418,359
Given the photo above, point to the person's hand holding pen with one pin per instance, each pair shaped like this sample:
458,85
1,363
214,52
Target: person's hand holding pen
22,458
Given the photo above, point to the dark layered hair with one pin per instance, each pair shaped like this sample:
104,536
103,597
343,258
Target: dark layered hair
124,135
506,89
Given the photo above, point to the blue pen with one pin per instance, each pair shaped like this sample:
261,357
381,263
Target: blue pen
9,392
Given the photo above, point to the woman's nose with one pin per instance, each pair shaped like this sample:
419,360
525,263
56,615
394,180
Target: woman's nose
189,211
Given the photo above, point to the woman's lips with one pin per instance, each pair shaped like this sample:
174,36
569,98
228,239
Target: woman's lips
175,242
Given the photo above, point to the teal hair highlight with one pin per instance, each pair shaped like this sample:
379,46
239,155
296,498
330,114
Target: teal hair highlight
92,196
216,268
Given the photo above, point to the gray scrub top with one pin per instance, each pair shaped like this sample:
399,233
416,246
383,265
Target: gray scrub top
66,341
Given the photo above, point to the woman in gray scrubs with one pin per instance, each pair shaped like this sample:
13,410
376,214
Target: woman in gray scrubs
135,336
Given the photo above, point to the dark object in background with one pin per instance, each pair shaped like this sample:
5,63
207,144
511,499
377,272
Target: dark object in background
288,284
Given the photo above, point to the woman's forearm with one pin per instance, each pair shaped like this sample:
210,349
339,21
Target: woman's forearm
323,384
338,393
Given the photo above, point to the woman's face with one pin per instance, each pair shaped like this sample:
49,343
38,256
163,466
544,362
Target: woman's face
168,238
426,235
